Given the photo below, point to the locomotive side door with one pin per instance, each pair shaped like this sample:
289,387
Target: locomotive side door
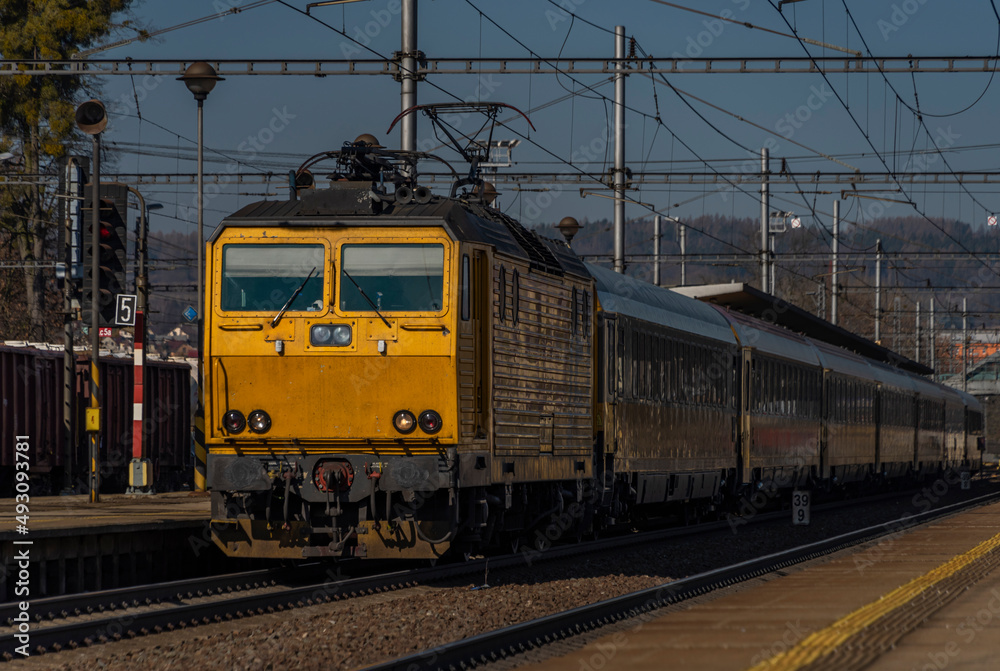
481,315
473,355
607,382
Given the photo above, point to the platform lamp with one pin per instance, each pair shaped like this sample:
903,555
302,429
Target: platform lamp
92,119
569,227
200,78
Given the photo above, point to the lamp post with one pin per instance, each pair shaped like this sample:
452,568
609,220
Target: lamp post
142,254
92,119
200,78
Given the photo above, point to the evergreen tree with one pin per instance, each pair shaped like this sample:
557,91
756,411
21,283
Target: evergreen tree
37,124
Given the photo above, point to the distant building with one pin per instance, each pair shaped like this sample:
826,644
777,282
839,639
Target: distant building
983,382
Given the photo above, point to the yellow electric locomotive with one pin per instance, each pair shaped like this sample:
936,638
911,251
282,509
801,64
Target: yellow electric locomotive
395,374
387,372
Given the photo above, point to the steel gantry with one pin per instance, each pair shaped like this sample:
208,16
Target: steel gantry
847,181
229,67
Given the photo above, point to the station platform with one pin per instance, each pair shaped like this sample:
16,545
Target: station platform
54,515
925,598
76,546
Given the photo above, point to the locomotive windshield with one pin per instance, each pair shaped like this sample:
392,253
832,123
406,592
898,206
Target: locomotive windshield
261,278
394,277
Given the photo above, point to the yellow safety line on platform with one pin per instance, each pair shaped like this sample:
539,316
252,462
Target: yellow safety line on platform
825,641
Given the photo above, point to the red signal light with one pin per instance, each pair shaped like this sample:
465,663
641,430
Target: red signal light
105,233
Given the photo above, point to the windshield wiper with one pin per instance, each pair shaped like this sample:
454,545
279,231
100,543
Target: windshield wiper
365,296
295,294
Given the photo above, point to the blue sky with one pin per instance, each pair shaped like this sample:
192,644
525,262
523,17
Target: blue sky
293,117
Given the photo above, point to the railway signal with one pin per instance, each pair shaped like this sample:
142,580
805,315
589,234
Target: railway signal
111,246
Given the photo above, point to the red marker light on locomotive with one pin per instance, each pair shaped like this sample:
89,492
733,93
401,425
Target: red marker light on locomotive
430,421
234,421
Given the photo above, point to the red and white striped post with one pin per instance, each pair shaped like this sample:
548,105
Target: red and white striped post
139,354
139,476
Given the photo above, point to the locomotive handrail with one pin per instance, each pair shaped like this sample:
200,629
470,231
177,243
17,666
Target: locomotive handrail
423,327
241,327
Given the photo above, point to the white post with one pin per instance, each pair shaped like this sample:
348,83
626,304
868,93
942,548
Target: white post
771,264
656,250
682,234
619,181
930,333
878,291
834,262
965,344
765,207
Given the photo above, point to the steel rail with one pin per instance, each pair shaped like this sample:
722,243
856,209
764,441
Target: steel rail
519,638
68,605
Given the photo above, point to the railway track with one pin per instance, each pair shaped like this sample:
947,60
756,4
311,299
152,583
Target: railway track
510,641
92,618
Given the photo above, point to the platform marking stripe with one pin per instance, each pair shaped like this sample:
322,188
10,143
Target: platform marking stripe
827,640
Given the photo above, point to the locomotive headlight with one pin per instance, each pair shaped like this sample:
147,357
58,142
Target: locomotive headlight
430,421
404,421
234,421
321,334
259,421
341,335
330,335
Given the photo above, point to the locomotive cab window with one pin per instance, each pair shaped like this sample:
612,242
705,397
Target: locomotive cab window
262,277
392,277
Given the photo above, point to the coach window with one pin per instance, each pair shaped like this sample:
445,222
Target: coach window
680,374
466,289
644,381
575,311
586,314
516,292
852,402
668,394
661,344
650,363
858,401
840,399
502,281
637,386
852,391
644,374
634,367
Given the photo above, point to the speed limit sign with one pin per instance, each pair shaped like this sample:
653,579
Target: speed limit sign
801,503
125,310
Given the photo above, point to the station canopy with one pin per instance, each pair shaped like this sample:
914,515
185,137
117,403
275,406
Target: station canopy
754,302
